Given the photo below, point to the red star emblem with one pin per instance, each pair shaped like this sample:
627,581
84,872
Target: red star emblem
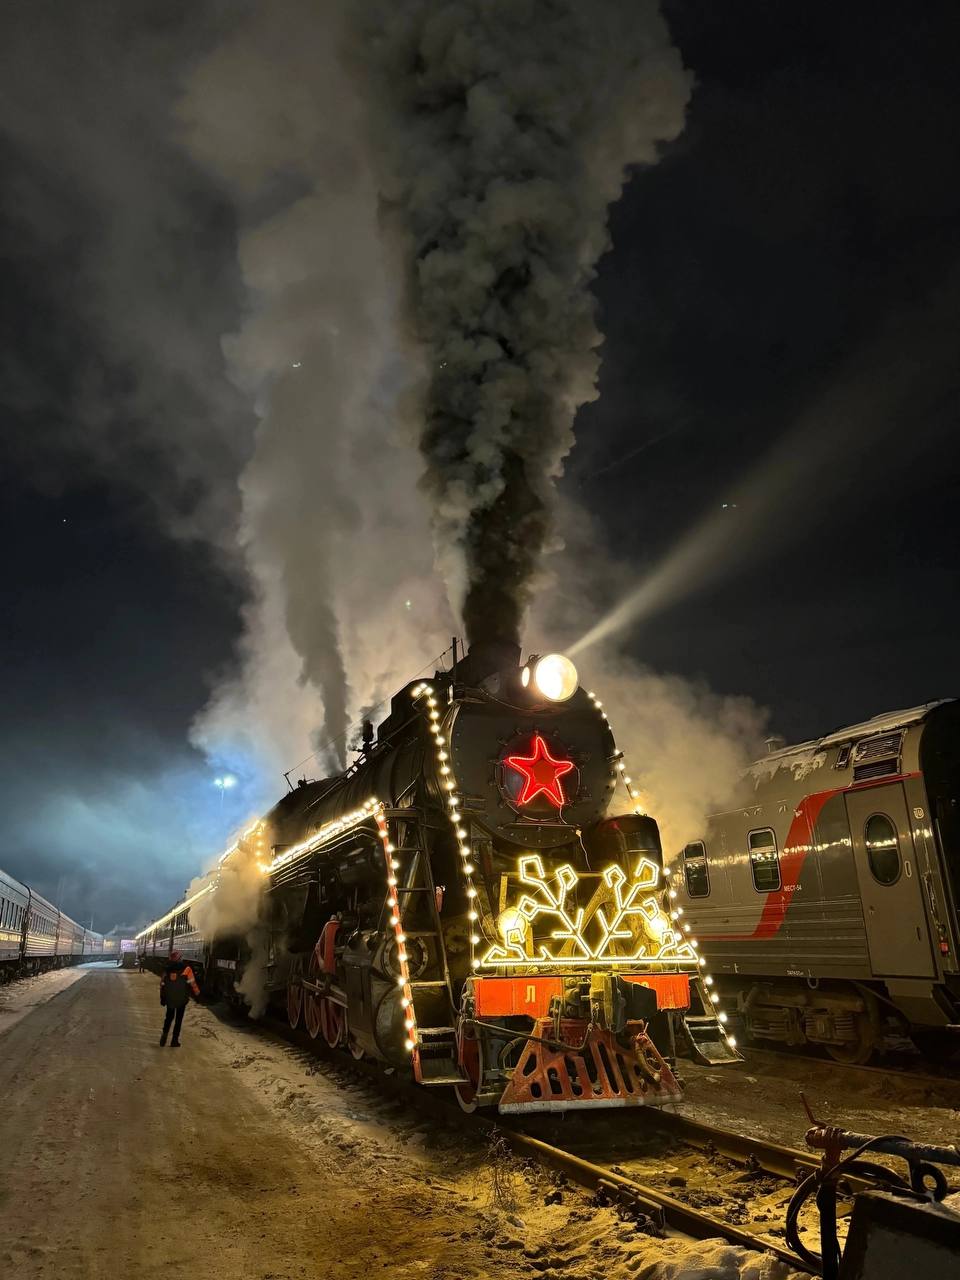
541,774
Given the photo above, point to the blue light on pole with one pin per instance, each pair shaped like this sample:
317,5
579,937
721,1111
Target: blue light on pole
223,784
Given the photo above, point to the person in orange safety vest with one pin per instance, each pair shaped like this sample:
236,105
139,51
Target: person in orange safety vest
176,984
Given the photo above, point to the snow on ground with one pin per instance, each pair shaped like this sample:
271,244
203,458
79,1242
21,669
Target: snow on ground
526,1221
286,1165
20,997
761,1097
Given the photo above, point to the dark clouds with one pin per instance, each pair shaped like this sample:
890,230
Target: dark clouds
113,635
120,263
118,430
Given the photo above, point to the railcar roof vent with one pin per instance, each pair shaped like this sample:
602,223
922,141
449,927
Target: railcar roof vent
877,757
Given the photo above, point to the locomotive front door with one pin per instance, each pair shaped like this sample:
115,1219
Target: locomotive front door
893,908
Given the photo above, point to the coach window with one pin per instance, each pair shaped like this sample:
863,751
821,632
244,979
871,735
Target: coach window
764,860
883,848
695,871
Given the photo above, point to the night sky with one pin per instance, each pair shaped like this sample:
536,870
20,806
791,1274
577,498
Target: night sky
780,310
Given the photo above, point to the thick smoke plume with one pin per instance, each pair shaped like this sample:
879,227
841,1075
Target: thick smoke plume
505,131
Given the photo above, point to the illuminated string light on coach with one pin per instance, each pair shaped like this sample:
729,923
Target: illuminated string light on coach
327,832
175,911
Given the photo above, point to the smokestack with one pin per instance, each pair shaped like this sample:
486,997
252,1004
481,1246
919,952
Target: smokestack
485,659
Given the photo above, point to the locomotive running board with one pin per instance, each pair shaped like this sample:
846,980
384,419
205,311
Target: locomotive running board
710,1044
586,1070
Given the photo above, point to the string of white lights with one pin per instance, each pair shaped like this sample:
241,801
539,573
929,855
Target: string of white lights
424,692
175,911
675,911
396,922
329,830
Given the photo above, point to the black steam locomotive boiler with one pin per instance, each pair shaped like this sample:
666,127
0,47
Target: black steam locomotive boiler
478,898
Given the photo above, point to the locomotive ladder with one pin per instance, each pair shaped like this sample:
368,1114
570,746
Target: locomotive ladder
705,1031
431,991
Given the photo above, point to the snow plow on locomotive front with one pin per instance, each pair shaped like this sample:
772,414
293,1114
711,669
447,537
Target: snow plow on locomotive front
461,900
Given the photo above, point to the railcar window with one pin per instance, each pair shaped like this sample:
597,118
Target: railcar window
695,871
883,848
764,860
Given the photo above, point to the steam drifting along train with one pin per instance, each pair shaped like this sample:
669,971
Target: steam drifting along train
461,902
35,935
826,899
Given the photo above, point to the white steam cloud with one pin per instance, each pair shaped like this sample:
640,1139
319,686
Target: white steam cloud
232,909
685,747
334,532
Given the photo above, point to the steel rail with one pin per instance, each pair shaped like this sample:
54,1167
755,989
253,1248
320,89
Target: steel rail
771,1157
666,1211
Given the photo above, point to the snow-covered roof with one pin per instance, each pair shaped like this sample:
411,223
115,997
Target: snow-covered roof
885,723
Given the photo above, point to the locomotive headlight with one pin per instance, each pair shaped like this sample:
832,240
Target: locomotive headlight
554,677
657,924
512,926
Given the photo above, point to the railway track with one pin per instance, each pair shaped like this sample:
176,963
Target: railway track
587,1154
673,1212
732,1186
946,1078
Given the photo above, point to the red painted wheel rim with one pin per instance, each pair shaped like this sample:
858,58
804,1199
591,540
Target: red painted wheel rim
295,994
311,1002
331,1022
470,1063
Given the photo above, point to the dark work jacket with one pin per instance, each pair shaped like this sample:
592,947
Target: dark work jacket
176,983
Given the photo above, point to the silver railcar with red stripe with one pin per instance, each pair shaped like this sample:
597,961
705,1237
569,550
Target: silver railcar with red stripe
825,898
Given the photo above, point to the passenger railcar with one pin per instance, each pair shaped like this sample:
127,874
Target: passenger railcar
825,898
476,899
174,931
35,935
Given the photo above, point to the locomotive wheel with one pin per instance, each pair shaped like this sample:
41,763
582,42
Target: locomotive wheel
295,993
311,1002
861,1050
332,1022
853,1054
355,1050
470,1062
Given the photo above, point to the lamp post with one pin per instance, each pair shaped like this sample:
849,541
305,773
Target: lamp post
223,784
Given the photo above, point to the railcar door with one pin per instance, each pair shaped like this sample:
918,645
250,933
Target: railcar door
893,908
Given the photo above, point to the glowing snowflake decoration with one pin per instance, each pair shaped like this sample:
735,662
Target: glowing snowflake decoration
622,924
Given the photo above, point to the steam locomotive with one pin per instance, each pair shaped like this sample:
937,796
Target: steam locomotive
826,896
35,935
477,899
